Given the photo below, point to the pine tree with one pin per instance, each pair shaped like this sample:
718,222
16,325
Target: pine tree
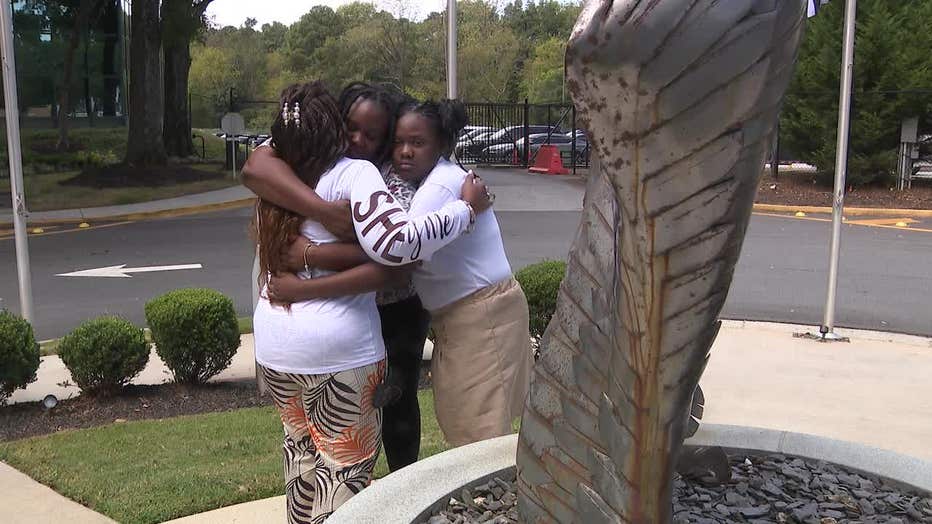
892,67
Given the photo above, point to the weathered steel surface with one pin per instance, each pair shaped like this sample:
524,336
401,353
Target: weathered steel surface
680,99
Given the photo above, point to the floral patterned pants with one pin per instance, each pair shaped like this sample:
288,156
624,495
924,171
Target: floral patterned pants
332,437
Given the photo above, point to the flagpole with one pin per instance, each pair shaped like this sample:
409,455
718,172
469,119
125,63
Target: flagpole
841,166
451,50
16,161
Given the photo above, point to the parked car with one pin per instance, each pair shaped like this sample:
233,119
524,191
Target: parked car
479,138
470,131
506,152
564,144
508,135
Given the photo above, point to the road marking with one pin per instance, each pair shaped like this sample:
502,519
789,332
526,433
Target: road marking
916,229
122,271
884,222
8,234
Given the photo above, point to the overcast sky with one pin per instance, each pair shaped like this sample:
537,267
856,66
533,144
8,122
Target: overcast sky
235,12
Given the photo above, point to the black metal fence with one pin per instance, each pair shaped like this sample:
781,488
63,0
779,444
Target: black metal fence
512,134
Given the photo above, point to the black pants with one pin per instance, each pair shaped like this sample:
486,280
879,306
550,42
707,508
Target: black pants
404,329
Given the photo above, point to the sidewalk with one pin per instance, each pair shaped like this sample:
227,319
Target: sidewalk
874,390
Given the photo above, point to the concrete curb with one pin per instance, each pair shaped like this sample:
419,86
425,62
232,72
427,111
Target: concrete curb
129,217
410,493
414,492
849,211
903,469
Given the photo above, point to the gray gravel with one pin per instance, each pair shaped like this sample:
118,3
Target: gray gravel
763,489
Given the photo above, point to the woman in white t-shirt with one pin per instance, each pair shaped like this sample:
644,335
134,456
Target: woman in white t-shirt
482,356
324,357
369,113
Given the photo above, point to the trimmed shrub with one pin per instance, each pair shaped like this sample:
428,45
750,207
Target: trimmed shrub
104,354
195,332
19,354
540,283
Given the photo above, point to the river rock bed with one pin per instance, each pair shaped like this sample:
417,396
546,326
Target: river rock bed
764,488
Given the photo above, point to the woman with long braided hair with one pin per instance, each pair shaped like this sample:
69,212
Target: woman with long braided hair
369,113
323,359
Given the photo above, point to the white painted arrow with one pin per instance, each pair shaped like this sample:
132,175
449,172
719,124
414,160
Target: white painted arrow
122,271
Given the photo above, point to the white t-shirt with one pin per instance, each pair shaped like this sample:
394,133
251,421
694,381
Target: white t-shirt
469,263
335,334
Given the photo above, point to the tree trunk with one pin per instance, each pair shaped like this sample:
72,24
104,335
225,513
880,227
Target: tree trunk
181,19
146,101
178,141
111,21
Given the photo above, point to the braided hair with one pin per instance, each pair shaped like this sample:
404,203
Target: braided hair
447,118
385,97
309,135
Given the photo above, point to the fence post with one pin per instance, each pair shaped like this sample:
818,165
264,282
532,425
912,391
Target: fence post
527,146
573,145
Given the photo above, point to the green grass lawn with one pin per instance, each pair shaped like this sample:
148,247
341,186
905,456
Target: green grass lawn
151,471
44,169
44,192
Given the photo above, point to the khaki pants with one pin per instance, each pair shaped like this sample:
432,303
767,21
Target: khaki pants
481,365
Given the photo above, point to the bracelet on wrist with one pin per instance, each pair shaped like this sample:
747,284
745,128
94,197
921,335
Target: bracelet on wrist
307,265
472,217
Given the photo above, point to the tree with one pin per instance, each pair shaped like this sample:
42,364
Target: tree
181,22
82,11
273,36
543,74
890,63
146,101
109,25
488,51
308,34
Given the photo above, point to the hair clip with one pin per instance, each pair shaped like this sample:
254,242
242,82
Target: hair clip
297,115
286,116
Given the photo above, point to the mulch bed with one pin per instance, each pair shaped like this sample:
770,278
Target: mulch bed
123,175
30,419
801,190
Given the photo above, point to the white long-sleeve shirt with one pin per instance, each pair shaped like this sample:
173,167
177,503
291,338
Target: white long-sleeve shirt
469,262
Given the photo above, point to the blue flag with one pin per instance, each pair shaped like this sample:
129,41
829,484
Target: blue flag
814,6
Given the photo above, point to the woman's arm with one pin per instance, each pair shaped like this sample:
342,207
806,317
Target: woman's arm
273,180
338,256
394,237
366,278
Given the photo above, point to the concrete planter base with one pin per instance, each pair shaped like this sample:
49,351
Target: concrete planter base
415,492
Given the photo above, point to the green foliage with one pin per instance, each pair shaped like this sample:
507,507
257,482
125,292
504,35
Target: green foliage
360,41
308,34
543,74
540,283
19,354
195,332
891,58
104,354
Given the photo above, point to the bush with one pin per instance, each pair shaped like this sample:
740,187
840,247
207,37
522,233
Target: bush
19,354
104,354
195,332
540,283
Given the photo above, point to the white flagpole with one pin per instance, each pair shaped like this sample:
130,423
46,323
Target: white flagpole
841,166
451,50
11,104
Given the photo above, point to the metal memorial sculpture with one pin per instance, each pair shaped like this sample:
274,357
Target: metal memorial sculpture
680,98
